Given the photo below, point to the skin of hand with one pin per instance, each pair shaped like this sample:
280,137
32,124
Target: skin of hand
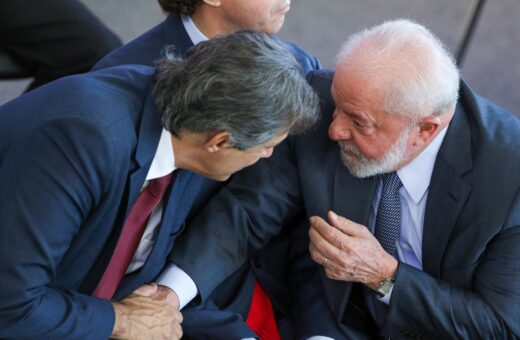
150,312
349,252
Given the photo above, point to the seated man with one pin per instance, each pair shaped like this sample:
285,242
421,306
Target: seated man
86,161
411,185
190,22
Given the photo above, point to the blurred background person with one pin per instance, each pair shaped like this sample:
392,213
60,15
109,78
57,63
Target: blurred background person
53,38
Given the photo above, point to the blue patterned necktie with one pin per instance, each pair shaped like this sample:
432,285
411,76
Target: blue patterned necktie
388,220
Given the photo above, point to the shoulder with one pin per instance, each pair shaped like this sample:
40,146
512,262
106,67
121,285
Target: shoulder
495,126
306,60
321,81
105,97
144,49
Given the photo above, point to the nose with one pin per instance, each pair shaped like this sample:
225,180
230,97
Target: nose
339,129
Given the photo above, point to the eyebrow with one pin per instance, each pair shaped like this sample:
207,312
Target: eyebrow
350,113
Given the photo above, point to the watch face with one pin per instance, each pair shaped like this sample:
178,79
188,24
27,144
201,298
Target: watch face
385,287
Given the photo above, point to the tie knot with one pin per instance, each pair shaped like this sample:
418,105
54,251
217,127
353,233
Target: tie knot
158,186
391,182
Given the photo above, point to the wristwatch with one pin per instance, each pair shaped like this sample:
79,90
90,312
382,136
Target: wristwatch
385,286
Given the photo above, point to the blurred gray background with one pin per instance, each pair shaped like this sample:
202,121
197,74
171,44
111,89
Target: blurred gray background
490,65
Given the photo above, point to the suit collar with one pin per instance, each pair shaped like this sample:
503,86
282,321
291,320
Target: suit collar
148,135
174,33
448,191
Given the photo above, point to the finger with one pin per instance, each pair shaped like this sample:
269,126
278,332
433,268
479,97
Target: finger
177,330
329,233
316,255
167,294
345,225
320,249
178,316
147,290
325,230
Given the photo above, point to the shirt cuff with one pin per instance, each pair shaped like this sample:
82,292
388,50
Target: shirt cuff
386,299
176,279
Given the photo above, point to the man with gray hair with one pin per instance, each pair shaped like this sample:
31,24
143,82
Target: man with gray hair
189,22
411,185
95,189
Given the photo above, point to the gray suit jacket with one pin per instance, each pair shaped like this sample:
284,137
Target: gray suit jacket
470,285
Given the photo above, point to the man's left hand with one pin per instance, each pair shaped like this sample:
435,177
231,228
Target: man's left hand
348,251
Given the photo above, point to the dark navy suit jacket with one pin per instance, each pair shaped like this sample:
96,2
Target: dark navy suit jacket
269,265
149,47
470,284
73,157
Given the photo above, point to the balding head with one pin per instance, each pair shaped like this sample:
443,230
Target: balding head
404,61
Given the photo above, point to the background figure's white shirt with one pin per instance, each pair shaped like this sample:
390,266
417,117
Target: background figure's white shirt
196,36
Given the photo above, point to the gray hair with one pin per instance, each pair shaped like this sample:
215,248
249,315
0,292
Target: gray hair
416,73
244,83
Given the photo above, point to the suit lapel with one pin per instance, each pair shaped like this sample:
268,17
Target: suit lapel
147,140
350,200
148,134
447,192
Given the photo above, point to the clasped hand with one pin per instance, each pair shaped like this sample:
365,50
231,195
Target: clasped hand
150,312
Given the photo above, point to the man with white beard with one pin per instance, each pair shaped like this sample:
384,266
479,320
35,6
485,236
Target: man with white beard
415,218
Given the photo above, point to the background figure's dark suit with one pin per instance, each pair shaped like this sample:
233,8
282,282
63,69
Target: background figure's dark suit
74,155
269,266
470,287
150,46
53,38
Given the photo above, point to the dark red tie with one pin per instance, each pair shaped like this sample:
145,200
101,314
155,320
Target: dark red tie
131,234
261,316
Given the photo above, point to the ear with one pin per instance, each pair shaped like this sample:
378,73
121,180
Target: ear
217,141
428,128
212,3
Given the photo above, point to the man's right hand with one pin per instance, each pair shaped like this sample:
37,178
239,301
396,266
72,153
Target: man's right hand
145,314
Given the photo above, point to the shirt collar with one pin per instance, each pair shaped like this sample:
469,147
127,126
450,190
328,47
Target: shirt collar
417,174
193,31
164,160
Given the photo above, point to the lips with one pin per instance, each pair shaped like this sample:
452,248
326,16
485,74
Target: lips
350,154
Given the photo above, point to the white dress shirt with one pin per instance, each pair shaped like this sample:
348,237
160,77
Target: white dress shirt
163,163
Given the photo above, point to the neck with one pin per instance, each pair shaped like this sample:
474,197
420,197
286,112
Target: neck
186,148
209,22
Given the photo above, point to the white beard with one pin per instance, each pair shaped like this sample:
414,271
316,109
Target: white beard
361,166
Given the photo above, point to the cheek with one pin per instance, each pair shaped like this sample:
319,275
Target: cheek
369,148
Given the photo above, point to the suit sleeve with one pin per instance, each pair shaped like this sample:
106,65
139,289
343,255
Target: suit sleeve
50,180
239,219
489,310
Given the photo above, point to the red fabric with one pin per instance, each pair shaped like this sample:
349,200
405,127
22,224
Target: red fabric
131,235
261,316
